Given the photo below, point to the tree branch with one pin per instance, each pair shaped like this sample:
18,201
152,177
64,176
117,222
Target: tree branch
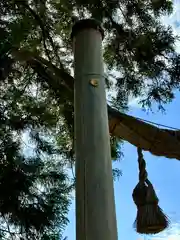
45,33
160,142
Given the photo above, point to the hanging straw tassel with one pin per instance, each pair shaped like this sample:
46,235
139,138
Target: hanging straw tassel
150,217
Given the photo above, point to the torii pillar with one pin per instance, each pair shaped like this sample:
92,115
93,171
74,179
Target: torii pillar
95,204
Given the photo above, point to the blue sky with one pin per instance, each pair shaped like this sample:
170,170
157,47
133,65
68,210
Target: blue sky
163,173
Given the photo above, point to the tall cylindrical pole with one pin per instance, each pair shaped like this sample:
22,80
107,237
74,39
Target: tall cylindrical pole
95,205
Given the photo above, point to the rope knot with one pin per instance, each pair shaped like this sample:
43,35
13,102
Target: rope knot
150,218
142,167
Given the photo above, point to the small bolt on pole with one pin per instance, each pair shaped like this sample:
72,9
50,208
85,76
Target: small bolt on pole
95,204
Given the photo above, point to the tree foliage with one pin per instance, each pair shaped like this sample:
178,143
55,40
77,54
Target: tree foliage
34,186
36,95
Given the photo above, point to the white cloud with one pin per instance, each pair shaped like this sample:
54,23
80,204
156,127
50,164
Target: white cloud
174,21
134,102
173,233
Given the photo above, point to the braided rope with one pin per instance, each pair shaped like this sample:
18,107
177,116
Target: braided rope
142,166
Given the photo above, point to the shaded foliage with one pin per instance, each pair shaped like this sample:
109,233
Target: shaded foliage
34,187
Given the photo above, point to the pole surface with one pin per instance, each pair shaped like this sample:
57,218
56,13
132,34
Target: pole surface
95,205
